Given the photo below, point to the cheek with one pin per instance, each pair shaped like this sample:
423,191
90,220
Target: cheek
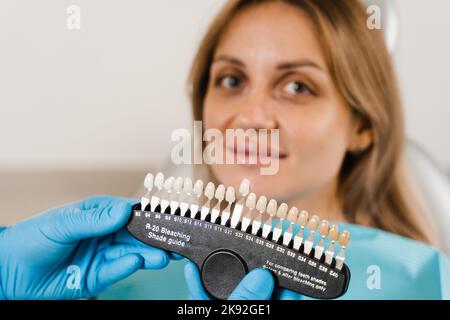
318,141
214,113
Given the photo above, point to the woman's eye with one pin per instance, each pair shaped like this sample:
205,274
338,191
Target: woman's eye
296,88
230,82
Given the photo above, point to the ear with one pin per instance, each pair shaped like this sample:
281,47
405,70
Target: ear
361,136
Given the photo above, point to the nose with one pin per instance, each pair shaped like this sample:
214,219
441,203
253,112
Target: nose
256,112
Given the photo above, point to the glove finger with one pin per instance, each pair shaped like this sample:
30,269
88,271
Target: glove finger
124,237
69,225
176,256
256,285
193,282
285,294
100,201
113,271
153,258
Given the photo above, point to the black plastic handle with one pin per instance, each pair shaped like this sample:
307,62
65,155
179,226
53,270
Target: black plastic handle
224,255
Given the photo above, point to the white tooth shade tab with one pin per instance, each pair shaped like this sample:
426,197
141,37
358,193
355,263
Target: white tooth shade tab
148,182
251,201
220,192
261,204
293,214
168,184
272,207
244,188
159,180
282,211
198,187
209,190
230,196
178,185
187,186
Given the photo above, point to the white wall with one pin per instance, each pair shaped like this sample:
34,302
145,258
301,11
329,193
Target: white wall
423,63
110,94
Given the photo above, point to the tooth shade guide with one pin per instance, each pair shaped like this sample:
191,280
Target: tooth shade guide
262,217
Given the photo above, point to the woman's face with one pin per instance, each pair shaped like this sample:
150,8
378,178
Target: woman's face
269,72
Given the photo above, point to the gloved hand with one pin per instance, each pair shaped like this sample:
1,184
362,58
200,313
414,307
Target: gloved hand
258,284
72,252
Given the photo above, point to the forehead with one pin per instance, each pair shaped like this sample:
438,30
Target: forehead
270,33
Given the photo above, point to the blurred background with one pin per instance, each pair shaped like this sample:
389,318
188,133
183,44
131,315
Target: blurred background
90,111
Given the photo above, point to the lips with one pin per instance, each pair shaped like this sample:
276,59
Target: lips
248,154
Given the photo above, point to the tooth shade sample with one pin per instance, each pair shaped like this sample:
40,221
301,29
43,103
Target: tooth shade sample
303,218
220,192
251,201
313,222
178,185
261,204
293,214
148,182
272,207
159,180
169,183
344,238
244,188
209,190
333,234
187,186
198,187
324,228
230,196
282,211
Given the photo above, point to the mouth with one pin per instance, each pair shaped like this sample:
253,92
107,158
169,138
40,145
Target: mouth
253,157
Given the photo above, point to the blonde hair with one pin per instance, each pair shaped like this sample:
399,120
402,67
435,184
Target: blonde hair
372,184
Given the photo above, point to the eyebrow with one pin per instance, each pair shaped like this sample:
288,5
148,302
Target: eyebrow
303,63
299,64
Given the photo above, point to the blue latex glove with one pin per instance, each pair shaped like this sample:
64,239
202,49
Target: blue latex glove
256,285
72,252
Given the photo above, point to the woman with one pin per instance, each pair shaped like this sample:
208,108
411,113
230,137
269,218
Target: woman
313,70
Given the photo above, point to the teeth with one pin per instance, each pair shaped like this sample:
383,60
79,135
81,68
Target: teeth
177,188
230,197
312,226
244,190
292,217
219,195
156,198
182,194
282,214
186,196
302,222
148,184
195,202
333,235
250,203
209,194
272,211
324,228
165,202
261,205
344,238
